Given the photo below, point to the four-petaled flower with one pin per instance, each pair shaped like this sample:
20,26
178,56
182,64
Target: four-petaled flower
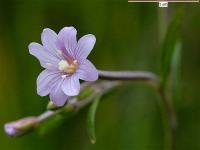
65,62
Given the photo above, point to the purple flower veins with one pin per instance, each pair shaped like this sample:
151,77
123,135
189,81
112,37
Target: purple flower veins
65,62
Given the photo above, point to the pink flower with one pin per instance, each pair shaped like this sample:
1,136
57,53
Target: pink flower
65,62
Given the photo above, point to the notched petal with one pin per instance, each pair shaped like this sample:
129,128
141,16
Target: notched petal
85,46
67,40
57,96
45,81
71,86
45,57
49,39
87,71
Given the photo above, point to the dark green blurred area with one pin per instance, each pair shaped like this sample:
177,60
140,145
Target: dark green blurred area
127,39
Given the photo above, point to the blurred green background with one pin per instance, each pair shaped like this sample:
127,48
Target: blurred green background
127,39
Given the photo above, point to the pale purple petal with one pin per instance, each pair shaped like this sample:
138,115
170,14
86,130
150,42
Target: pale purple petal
49,38
71,85
87,71
67,40
46,59
10,129
57,96
45,81
84,47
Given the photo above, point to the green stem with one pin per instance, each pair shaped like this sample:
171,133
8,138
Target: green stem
169,113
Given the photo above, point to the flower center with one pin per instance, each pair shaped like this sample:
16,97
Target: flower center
64,66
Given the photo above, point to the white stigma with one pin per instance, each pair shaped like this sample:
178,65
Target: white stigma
63,65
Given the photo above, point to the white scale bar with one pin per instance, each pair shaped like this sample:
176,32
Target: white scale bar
173,1
163,4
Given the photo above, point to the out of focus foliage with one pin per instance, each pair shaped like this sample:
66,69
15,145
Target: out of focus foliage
127,39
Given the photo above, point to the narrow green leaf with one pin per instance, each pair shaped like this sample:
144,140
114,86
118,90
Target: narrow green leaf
91,119
168,45
176,71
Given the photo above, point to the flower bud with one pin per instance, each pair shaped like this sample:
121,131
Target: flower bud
21,126
52,106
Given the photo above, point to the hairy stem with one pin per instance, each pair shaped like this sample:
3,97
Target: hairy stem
102,87
74,105
20,127
128,75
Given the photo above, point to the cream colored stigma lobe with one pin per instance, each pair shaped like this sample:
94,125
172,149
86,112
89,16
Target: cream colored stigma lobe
64,66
